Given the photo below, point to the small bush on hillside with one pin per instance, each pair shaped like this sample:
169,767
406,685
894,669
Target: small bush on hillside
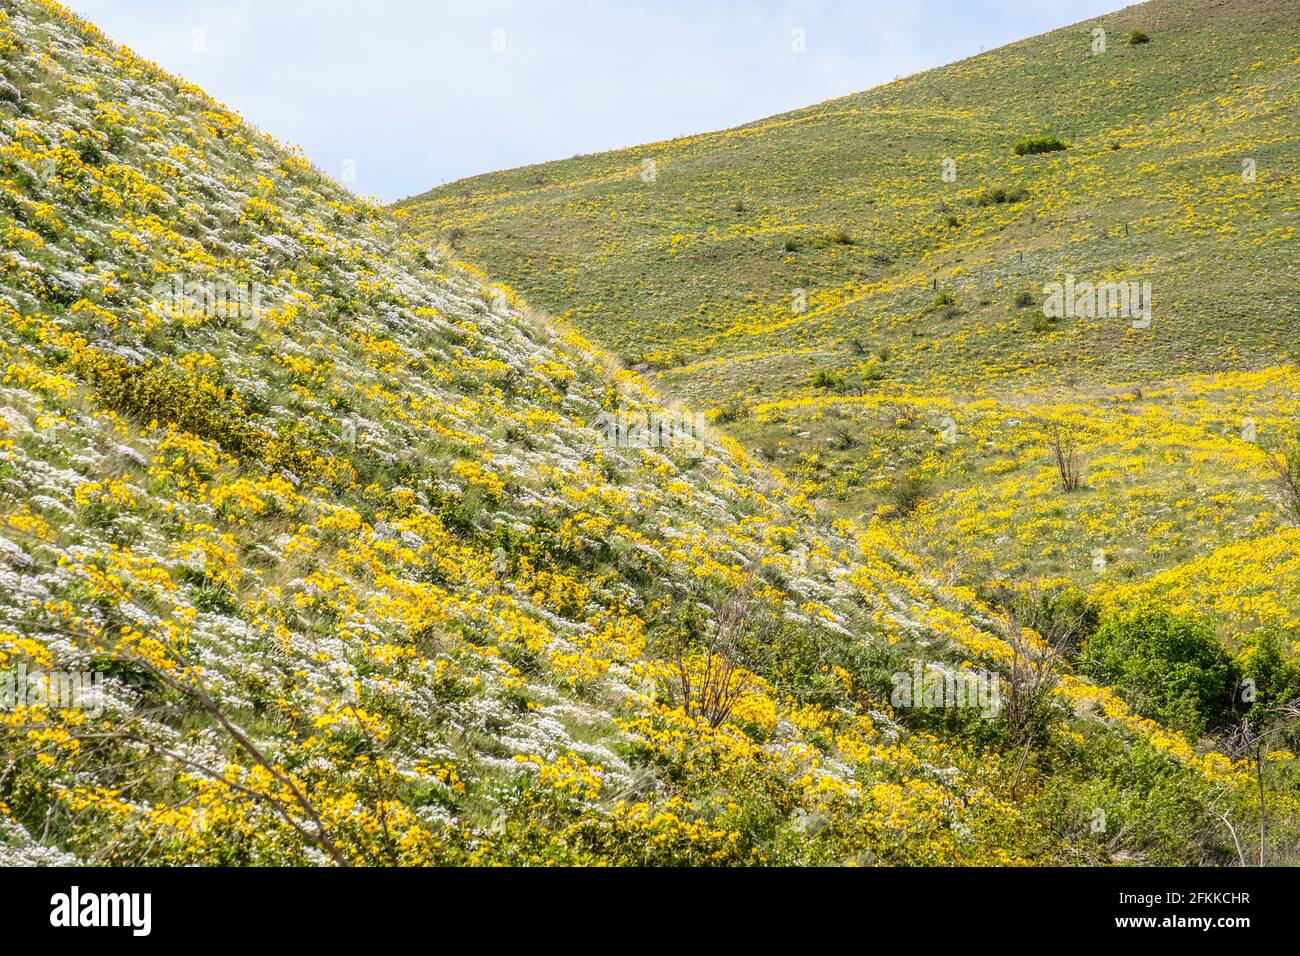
906,493
999,195
1031,145
828,380
1067,457
792,244
1171,668
1269,679
944,303
1286,479
1062,615
90,152
842,438
1024,299
841,237
1136,38
714,645
733,411
659,358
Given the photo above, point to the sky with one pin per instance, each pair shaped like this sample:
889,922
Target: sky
394,97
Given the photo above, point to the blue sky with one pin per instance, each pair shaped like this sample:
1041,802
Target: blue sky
414,93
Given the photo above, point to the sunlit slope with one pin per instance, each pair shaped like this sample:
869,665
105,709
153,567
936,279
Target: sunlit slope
363,584
816,278
693,263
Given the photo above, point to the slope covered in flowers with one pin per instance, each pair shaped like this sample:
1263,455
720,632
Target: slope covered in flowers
857,288
363,585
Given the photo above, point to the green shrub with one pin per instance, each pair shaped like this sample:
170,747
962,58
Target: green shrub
1158,804
1286,478
999,195
1136,38
1269,680
828,380
1062,615
1038,144
90,153
1170,667
841,237
907,493
732,411
944,303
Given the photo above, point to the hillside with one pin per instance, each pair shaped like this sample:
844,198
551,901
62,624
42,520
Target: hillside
857,291
335,524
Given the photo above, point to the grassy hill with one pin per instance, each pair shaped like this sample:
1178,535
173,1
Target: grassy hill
338,529
857,289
